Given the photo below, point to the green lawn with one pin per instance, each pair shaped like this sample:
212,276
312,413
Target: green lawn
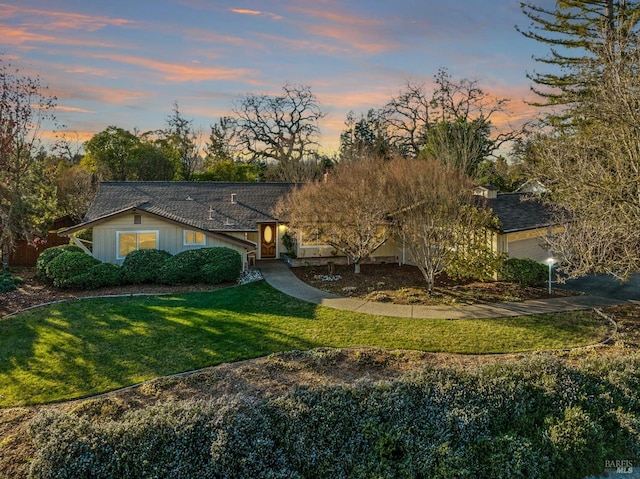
82,348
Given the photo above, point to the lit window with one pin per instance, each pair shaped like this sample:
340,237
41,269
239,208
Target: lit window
312,239
129,241
192,238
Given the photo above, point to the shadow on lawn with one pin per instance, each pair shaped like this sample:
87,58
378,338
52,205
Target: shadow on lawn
81,348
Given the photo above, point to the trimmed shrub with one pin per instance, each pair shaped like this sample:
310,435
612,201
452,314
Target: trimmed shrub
48,255
143,266
67,269
9,282
524,271
98,276
221,265
208,265
183,268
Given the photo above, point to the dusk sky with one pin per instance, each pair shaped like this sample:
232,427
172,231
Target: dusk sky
124,63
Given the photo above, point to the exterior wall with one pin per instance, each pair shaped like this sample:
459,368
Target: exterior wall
388,249
170,237
527,244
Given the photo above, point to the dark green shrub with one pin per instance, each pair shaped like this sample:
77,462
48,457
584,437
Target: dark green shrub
48,255
9,282
524,271
204,265
183,268
98,276
143,266
289,242
220,265
67,268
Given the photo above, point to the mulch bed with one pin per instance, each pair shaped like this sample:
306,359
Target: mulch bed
406,285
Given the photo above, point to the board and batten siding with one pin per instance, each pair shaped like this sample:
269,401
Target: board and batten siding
170,237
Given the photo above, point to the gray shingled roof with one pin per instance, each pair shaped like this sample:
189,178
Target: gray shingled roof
520,212
203,205
208,206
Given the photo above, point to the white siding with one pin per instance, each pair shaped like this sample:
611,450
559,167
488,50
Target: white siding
528,248
170,237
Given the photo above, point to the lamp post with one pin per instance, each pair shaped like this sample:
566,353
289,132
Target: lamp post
550,262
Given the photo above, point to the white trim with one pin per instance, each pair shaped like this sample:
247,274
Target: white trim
302,245
186,243
137,232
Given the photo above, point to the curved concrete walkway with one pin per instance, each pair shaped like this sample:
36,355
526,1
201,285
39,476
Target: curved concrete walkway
278,275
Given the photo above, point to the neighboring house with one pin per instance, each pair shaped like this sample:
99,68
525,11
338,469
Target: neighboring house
177,216
524,221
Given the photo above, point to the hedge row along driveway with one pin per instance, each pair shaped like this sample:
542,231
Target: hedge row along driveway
85,347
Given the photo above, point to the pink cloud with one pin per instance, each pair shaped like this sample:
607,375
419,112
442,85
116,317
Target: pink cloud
21,36
248,11
178,72
57,20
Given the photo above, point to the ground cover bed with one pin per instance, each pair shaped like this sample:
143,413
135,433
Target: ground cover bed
405,285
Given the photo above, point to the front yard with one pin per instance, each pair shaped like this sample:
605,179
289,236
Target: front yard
390,283
81,348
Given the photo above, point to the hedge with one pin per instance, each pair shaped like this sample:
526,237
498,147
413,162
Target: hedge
47,256
211,265
144,266
536,418
69,268
524,271
98,276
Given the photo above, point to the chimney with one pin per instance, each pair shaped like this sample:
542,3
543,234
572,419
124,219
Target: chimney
233,198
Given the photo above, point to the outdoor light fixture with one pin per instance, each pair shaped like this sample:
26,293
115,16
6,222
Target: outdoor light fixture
550,262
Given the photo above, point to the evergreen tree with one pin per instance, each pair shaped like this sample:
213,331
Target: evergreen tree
579,33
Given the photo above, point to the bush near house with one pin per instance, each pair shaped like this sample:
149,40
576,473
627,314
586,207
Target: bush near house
524,271
210,265
143,266
49,255
71,268
67,269
100,275
220,265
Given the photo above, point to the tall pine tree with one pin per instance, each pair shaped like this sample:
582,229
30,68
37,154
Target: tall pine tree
580,33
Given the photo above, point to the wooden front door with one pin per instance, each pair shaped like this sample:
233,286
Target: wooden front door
268,240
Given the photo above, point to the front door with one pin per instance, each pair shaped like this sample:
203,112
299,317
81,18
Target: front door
268,240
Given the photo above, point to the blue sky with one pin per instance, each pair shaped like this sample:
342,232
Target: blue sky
124,63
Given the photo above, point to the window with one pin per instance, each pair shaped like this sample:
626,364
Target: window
129,241
312,239
192,238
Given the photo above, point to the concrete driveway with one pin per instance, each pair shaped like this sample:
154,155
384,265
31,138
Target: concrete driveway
605,286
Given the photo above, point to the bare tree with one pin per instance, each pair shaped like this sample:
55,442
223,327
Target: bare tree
434,212
593,171
26,200
348,211
408,119
282,130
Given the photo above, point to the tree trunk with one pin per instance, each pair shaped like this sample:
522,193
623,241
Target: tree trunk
5,257
356,267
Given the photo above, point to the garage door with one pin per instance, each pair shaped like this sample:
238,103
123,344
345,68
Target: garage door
528,248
